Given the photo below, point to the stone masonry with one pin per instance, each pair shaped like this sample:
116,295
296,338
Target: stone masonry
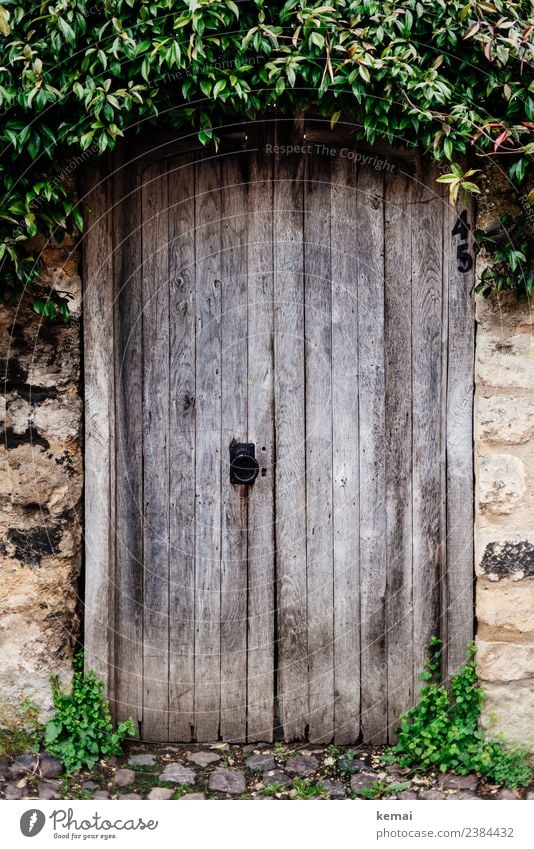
504,501
40,492
504,539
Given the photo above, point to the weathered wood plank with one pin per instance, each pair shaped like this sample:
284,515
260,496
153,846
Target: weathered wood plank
181,217
345,459
427,398
290,477
370,249
318,413
127,223
458,595
155,454
398,389
234,510
99,429
208,451
261,596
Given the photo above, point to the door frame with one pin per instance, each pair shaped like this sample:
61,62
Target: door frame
99,375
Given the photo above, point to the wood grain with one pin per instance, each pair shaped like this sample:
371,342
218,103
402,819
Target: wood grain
234,510
427,439
398,389
457,598
99,499
155,454
318,397
261,586
127,266
345,455
371,357
208,451
181,218
290,479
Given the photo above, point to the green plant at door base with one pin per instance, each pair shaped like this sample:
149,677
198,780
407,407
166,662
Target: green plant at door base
81,731
443,730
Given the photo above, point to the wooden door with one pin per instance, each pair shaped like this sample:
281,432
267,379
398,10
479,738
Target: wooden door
308,302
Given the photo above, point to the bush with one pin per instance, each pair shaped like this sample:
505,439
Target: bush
81,730
443,731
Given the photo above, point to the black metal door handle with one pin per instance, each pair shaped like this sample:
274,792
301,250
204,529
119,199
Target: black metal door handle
244,467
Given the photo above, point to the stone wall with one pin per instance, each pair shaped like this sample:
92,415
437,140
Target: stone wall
40,494
504,500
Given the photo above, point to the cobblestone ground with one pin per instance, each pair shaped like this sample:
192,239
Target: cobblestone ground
238,772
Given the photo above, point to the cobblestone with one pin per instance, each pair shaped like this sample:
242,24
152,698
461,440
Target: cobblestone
165,772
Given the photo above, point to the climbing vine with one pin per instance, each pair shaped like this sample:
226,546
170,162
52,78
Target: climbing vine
452,76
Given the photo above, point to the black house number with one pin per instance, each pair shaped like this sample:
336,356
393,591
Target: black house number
461,229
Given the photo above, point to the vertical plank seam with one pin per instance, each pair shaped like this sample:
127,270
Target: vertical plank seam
412,629
331,522
276,720
247,511
332,489
143,569
444,397
168,450
472,337
474,326
383,482
417,177
220,174
271,173
305,425
384,479
194,429
222,213
358,660
111,625
360,606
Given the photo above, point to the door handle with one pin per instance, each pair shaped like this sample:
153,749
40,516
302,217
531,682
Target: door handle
244,467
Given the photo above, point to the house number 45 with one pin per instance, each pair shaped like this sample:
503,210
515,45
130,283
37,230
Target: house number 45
461,229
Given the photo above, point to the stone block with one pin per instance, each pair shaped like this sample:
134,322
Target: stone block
509,710
505,420
501,483
504,554
229,781
505,361
506,604
178,774
505,661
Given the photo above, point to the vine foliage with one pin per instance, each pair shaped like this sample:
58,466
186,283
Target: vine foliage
81,730
452,76
442,731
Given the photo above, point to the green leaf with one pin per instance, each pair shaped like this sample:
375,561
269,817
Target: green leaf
52,729
448,148
471,187
66,30
317,39
219,87
5,29
364,73
334,119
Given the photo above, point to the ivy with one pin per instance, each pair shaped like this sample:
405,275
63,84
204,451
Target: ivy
452,76
442,732
509,247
